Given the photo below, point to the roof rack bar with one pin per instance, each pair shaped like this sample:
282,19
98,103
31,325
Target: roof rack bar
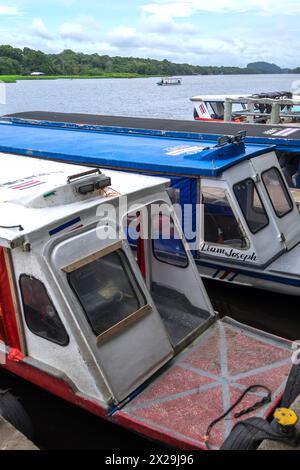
236,139
95,171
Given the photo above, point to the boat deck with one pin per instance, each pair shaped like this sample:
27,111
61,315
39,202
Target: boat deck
205,381
264,131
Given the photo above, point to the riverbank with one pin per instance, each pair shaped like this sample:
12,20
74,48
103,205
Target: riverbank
15,78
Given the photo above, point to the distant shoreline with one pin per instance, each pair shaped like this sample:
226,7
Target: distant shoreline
19,64
15,78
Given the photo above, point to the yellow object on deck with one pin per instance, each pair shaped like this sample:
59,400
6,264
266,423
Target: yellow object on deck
286,418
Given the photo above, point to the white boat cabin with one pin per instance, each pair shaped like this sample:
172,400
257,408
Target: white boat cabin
262,108
242,222
169,81
116,330
73,299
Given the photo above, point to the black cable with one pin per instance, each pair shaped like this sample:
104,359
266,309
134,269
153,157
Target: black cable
259,404
12,227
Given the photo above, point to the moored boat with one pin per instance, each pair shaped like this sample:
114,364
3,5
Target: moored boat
129,336
262,108
169,81
235,194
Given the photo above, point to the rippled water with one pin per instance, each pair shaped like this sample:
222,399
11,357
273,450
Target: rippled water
56,420
132,97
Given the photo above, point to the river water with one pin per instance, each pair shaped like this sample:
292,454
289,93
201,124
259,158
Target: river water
57,422
133,97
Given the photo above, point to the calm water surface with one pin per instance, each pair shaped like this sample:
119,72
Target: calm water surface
56,421
132,97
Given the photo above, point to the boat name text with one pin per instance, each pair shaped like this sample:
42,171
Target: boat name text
228,253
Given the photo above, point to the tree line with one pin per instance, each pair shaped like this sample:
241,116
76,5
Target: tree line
15,61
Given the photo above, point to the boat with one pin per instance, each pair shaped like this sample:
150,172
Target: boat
235,193
262,108
129,336
169,81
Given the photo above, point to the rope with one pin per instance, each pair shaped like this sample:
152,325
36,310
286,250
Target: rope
256,406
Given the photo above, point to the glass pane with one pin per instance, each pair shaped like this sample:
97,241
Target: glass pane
167,245
277,191
107,291
220,224
40,314
251,205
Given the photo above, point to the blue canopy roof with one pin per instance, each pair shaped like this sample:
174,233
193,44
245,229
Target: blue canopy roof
117,149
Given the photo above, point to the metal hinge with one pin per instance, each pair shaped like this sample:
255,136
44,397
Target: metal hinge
282,238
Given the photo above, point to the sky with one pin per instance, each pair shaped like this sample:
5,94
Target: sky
199,32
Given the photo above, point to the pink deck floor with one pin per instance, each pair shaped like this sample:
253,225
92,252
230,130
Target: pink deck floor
204,381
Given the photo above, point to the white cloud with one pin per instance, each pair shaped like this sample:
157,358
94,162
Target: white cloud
8,10
74,31
123,36
39,29
170,29
187,8
87,22
174,9
166,25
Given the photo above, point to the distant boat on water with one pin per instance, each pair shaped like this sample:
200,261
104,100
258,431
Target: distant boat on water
168,81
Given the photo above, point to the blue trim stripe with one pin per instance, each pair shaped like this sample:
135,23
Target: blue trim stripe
263,276
64,226
233,277
216,273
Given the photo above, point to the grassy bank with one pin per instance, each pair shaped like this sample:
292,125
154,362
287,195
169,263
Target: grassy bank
15,78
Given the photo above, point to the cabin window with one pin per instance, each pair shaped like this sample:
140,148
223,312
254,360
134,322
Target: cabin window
107,291
277,192
215,109
40,314
220,224
167,244
251,205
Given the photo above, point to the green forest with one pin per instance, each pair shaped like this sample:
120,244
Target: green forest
23,62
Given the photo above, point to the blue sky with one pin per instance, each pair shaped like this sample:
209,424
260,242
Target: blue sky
204,32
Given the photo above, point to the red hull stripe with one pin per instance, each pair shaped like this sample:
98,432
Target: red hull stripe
7,310
225,275
156,434
29,184
77,228
54,385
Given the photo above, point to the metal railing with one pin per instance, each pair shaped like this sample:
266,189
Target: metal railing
275,104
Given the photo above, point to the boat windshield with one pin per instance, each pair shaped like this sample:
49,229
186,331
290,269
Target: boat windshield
251,205
220,224
107,291
215,109
277,192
